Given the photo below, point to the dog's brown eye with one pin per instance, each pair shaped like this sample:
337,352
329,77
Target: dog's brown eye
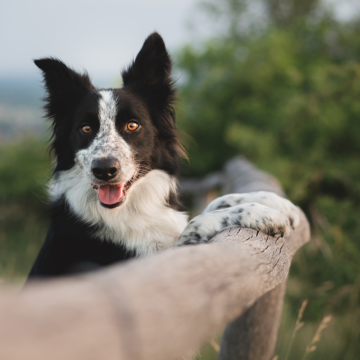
86,129
132,126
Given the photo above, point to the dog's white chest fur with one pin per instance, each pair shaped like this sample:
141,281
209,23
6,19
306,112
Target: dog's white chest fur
143,223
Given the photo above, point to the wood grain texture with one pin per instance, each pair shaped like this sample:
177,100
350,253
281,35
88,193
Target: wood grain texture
155,308
253,335
164,306
239,176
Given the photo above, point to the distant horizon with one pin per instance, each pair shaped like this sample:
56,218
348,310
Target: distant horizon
14,80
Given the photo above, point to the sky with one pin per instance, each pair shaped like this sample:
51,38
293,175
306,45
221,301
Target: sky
101,36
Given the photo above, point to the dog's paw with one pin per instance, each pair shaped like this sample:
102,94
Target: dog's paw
262,218
269,199
204,227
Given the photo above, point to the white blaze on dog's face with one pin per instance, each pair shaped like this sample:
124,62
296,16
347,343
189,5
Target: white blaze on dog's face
115,143
109,150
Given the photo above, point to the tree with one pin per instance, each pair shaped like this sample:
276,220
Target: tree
285,92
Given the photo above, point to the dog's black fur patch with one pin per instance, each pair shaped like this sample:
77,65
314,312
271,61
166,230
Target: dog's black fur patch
71,246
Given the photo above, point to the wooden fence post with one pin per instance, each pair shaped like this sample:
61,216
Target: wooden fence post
160,307
253,335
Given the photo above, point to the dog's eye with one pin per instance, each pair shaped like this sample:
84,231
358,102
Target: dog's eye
86,129
132,126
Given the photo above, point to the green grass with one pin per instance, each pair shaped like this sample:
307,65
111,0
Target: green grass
24,168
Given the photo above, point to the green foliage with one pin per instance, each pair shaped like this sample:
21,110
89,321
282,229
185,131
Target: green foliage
286,95
24,169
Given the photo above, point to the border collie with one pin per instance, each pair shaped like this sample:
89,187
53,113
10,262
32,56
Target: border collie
114,186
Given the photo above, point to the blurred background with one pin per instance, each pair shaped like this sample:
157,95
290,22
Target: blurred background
275,80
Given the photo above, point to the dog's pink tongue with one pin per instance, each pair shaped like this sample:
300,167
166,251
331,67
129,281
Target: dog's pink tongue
110,194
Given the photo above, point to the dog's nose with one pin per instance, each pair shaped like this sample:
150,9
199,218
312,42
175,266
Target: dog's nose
105,169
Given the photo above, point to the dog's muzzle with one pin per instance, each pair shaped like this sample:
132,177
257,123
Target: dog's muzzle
105,169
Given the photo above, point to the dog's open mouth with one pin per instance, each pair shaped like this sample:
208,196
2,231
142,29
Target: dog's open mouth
112,196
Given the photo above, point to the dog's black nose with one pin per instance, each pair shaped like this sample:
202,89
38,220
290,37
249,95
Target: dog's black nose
105,169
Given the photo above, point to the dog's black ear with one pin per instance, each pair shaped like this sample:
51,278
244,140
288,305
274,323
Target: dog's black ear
152,65
149,74
64,86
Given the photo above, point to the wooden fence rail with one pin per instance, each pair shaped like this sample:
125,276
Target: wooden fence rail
164,306
253,335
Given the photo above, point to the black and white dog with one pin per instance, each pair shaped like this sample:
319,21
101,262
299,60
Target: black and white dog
114,187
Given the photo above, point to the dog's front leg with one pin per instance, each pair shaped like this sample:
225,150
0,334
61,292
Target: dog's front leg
262,211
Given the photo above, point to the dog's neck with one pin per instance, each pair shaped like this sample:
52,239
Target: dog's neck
144,223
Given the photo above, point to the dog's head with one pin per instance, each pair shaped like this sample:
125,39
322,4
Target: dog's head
115,136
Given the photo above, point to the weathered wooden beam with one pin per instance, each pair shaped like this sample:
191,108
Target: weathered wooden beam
238,174
241,176
253,335
155,308
160,307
